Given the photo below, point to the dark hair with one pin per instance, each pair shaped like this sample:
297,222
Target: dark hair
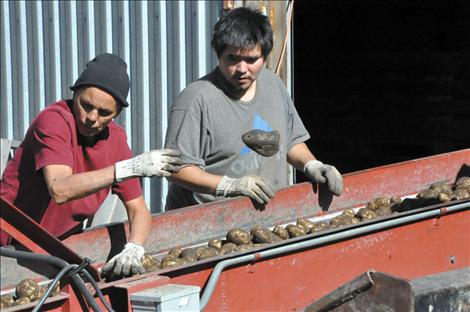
243,28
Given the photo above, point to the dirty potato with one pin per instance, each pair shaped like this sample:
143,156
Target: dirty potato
215,243
227,248
175,252
342,220
171,262
366,214
319,226
207,252
306,224
264,236
239,236
441,187
281,232
21,301
428,194
189,254
294,230
149,263
463,183
349,212
7,301
460,194
27,288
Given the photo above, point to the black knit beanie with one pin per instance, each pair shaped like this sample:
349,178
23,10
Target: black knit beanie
108,72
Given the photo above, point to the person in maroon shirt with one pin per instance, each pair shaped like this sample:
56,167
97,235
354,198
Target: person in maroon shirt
73,154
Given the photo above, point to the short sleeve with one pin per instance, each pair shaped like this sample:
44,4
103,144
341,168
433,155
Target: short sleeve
52,140
187,134
296,129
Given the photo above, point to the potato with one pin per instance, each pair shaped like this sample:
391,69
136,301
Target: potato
149,263
319,226
227,248
176,251
215,243
281,232
306,224
189,254
239,236
21,301
207,252
441,187
294,230
463,183
366,214
7,301
428,194
349,212
27,288
460,194
171,262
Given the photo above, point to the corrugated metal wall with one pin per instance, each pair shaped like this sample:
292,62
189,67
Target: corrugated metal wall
45,45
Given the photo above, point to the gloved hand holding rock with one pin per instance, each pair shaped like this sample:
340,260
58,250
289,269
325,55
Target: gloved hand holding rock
255,187
160,163
318,172
127,262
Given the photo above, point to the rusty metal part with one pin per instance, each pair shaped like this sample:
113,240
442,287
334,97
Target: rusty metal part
34,237
262,142
366,293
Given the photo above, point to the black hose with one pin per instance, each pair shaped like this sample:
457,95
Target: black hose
52,285
90,279
57,262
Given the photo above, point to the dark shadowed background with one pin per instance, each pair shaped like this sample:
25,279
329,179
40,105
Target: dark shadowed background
378,82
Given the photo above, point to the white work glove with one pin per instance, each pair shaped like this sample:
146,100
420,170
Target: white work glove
160,163
252,186
126,262
318,172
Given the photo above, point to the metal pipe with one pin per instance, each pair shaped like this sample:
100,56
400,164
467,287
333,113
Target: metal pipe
212,282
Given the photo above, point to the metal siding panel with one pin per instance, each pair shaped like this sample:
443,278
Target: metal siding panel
155,95
6,82
66,39
120,45
16,62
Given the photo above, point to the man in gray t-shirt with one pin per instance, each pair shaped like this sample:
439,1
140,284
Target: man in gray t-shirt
210,116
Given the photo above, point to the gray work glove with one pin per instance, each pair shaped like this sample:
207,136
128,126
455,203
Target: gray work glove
160,163
318,172
127,262
255,187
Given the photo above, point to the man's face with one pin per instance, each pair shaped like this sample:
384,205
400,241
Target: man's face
241,67
93,109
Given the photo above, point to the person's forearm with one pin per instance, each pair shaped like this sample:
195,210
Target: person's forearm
75,186
299,155
140,220
196,179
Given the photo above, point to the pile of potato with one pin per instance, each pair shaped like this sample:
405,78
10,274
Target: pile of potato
444,193
240,239
26,291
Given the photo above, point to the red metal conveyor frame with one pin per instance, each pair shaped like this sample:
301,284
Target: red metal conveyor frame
290,281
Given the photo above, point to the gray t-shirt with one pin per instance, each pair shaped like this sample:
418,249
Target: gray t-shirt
206,125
